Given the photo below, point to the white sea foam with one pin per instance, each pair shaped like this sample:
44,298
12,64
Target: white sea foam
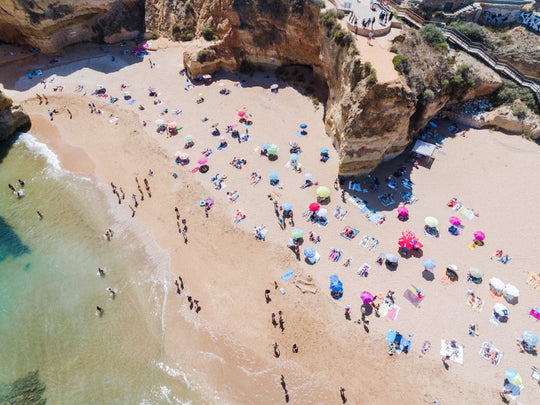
41,149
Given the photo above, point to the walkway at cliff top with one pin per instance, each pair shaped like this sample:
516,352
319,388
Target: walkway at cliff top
363,11
378,53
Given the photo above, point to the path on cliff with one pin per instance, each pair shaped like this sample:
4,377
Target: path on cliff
378,53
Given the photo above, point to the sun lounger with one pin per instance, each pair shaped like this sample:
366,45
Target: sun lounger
376,218
491,353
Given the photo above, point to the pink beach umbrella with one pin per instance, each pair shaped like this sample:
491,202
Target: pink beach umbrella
241,113
314,207
479,235
403,211
202,161
455,221
366,297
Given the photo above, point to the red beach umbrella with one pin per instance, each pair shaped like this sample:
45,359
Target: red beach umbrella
406,243
241,113
314,207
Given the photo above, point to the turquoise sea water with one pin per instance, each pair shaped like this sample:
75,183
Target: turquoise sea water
49,289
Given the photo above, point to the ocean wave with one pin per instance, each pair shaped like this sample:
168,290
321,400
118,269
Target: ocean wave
41,149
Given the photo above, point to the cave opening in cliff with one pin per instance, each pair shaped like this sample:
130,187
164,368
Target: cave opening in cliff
304,79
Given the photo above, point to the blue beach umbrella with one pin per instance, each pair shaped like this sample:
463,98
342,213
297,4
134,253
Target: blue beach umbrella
265,146
310,252
273,176
529,338
428,264
308,176
303,126
293,157
324,150
286,206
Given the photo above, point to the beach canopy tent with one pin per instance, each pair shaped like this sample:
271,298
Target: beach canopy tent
423,148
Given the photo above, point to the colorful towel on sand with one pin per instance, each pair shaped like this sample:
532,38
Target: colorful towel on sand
363,270
455,352
287,275
349,233
393,312
414,295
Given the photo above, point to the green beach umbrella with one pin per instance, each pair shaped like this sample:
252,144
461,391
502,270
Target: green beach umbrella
272,150
189,138
297,233
323,192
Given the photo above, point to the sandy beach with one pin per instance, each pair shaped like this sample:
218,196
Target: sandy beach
226,347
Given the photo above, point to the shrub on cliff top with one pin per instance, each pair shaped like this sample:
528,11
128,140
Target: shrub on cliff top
208,33
433,36
473,31
297,6
401,64
328,18
342,37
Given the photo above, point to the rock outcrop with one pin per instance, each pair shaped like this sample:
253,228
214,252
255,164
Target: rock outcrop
12,118
50,25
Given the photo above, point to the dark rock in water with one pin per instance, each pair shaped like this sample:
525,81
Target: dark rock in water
26,390
10,243
12,118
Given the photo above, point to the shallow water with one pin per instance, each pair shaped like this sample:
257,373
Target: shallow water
49,289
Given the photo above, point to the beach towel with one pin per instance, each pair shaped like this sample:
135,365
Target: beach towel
364,241
222,147
374,244
287,275
346,233
363,270
490,353
467,213
425,347
393,312
414,295
383,309
113,120
455,352
376,218
472,246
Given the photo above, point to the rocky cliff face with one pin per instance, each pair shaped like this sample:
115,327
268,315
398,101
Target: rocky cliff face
53,24
12,118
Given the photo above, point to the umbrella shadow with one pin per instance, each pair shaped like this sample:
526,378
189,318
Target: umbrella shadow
418,253
428,275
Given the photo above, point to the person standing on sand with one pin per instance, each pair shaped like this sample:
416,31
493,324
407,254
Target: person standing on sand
100,310
342,394
276,350
177,213
295,348
101,272
70,115
39,215
181,282
123,194
134,197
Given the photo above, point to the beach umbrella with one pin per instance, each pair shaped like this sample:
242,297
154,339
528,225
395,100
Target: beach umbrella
455,221
265,146
286,206
297,233
324,150
308,176
275,86
323,192
500,309
293,144
322,212
510,292
391,258
310,252
452,267
293,157
479,235
513,377
303,126
160,122
428,264
272,150
151,89
496,283
183,156
273,176
366,297
200,95
189,138
529,338
202,160
241,113
209,201
172,125
431,222
314,207
403,211
476,272
405,243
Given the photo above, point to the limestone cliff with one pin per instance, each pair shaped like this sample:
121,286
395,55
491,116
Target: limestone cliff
12,118
53,24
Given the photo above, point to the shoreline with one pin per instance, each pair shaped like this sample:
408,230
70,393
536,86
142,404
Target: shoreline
230,340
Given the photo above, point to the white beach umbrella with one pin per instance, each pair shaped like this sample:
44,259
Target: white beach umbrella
496,283
510,292
500,309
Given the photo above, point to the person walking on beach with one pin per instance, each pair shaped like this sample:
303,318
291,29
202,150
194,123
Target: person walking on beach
100,310
274,323
112,292
177,213
123,194
101,272
132,211
177,287
39,215
267,296
134,197
342,394
11,187
70,115
46,99
151,64
295,348
276,350
181,282
21,183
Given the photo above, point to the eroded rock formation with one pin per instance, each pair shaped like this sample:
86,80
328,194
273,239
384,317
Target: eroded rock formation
51,25
12,118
